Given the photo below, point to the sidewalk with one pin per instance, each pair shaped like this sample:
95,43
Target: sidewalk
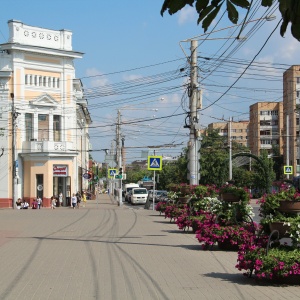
104,251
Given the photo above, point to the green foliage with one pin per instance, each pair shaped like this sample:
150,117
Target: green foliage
279,262
135,174
242,193
209,9
263,172
270,203
213,159
242,177
278,162
174,172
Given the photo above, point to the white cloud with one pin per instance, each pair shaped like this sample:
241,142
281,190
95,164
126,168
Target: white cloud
96,78
289,49
132,77
187,14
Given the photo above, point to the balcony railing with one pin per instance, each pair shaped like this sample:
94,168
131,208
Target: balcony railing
46,146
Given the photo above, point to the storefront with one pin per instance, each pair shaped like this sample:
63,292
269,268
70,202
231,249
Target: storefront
62,183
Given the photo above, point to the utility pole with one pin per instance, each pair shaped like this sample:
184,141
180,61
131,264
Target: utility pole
193,95
119,154
14,116
288,143
230,149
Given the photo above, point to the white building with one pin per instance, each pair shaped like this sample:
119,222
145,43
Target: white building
47,153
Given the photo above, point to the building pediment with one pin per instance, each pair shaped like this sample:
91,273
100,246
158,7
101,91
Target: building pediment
44,100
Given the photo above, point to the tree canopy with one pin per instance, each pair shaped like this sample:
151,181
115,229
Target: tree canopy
209,9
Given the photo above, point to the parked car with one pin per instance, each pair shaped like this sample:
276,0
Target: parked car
158,194
163,197
138,196
128,187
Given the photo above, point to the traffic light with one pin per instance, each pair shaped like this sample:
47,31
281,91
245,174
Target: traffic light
120,171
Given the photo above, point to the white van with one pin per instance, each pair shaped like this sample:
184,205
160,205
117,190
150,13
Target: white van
139,196
128,187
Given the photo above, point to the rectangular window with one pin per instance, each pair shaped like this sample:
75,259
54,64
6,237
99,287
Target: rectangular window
264,112
28,127
43,127
57,128
298,79
265,132
265,123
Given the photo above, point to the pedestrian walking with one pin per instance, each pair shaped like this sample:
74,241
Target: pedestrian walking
84,198
39,202
74,201
78,195
60,199
53,202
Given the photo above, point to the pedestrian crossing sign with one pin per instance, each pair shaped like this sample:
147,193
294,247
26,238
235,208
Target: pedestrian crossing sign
154,163
111,173
288,170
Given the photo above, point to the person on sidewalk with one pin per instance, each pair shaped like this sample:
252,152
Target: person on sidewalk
34,204
53,202
25,204
84,198
19,203
39,202
60,199
74,201
78,195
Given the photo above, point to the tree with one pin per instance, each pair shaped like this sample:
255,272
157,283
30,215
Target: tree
213,159
136,173
209,9
260,175
174,171
278,162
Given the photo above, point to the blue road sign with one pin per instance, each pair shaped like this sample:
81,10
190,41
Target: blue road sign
154,163
112,172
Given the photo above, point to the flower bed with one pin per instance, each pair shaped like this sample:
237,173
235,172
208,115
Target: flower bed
279,262
270,258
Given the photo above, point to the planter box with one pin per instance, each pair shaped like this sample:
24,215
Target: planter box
183,200
227,246
229,197
282,229
289,206
185,190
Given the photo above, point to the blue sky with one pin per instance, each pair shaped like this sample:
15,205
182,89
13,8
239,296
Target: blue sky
133,59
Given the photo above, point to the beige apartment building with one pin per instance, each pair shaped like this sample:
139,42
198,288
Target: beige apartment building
43,116
239,131
266,124
291,102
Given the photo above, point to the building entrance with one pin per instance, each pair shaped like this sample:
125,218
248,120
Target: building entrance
60,185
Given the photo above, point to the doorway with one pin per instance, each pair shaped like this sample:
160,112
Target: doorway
60,185
39,185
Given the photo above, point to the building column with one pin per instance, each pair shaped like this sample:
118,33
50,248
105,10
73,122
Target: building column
35,125
51,137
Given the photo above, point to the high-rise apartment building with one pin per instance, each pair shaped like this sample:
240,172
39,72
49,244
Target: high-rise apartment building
291,105
239,131
43,116
266,123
